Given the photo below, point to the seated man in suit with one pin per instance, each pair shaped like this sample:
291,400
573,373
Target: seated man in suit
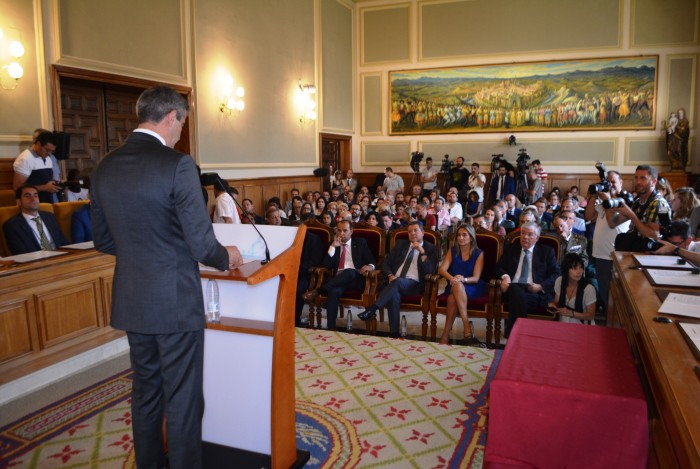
80,225
575,243
32,230
527,272
348,258
501,185
512,209
405,269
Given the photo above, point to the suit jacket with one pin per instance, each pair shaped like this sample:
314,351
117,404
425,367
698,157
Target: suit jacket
396,256
361,255
20,237
80,225
311,254
508,187
147,209
515,216
545,268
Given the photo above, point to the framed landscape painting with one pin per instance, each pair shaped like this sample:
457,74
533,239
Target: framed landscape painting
593,94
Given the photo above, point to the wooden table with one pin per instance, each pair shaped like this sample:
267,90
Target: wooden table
666,366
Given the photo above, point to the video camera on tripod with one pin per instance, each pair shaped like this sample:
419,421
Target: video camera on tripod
447,164
416,158
522,160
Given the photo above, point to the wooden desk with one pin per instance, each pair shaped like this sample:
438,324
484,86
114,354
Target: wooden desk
53,309
666,366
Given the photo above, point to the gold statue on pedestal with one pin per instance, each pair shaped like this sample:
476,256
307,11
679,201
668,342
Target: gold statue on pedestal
677,132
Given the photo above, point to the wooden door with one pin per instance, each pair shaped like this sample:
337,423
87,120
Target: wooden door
335,153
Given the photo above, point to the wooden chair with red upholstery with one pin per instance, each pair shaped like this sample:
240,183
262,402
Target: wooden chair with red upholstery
419,302
482,307
326,234
552,240
360,298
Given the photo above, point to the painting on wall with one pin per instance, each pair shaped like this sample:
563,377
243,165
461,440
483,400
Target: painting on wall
593,94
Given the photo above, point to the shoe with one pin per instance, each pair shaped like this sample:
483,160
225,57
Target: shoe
366,315
474,342
310,296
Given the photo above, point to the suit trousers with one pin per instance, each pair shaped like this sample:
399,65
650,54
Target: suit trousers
520,302
345,279
603,272
168,373
390,297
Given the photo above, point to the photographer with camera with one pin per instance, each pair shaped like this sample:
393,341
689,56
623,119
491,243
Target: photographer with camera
607,225
649,213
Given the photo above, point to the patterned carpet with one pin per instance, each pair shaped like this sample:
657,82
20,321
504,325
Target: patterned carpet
361,402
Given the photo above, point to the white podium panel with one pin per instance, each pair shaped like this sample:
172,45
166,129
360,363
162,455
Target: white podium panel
236,407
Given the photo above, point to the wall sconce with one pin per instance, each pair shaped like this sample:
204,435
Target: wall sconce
306,103
11,48
231,100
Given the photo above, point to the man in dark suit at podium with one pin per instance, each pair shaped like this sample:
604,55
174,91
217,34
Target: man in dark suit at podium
527,271
405,269
147,209
348,258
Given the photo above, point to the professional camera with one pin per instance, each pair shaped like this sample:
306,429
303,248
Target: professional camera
446,164
616,202
631,241
604,184
416,158
522,160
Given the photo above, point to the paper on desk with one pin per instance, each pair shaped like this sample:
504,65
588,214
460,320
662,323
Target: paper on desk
82,246
206,268
33,256
692,333
681,305
652,260
676,278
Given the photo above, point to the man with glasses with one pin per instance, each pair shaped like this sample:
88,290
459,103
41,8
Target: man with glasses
35,166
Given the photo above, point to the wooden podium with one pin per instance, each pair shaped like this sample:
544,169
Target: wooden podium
249,416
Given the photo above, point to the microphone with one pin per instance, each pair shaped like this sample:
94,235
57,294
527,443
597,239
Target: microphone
267,250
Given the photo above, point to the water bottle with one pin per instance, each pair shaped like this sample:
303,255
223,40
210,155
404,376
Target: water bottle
404,326
213,313
349,327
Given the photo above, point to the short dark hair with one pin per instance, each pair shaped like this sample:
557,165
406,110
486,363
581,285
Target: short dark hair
45,137
536,162
18,192
678,228
156,102
429,159
476,164
416,222
649,169
251,202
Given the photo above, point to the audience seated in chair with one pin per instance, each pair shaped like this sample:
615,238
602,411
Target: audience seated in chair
32,230
405,268
462,269
81,225
527,272
349,259
574,296
311,256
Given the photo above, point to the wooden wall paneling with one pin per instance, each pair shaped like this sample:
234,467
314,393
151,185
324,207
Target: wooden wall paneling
82,108
254,193
120,116
106,285
6,173
15,330
69,312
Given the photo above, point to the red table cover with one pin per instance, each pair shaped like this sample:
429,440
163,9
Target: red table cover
566,395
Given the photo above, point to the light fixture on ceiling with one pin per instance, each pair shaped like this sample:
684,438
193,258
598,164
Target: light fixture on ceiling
11,49
307,103
231,99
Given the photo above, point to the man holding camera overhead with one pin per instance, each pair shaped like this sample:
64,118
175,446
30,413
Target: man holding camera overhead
608,224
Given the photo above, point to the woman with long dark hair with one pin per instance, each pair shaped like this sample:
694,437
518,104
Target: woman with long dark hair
574,296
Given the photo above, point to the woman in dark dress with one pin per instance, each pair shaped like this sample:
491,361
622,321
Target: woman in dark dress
462,269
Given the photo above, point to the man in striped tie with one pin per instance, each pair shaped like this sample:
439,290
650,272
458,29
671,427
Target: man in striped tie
32,230
527,272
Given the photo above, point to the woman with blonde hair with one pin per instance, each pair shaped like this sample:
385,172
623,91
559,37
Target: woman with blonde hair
462,269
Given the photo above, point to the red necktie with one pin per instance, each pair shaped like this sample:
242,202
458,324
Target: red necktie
341,264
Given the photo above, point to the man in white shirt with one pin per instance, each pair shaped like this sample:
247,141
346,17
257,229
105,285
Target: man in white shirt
454,207
477,181
225,211
429,177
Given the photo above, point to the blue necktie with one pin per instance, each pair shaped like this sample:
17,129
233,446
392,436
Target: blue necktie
525,271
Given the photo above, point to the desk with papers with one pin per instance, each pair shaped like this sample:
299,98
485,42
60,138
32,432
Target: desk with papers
664,359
